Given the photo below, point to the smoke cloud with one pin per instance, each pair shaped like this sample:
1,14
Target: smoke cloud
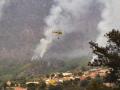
110,19
22,27
2,2
62,17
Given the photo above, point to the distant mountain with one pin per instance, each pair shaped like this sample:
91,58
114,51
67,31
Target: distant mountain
11,68
22,26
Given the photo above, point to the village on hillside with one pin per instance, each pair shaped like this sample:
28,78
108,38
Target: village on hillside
57,78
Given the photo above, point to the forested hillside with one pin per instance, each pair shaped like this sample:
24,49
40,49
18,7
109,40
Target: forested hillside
14,68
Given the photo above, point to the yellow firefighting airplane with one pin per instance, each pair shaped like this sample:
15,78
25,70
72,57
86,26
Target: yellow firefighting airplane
57,33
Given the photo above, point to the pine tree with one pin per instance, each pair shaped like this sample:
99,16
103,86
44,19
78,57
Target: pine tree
108,56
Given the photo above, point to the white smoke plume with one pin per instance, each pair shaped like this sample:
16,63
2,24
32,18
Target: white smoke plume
111,19
2,2
60,18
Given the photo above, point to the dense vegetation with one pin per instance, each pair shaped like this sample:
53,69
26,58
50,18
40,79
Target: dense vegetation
10,69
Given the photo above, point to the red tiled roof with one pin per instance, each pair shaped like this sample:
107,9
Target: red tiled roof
19,88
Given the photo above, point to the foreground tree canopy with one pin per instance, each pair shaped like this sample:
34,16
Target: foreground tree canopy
108,56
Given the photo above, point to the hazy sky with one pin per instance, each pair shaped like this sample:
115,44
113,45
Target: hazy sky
22,26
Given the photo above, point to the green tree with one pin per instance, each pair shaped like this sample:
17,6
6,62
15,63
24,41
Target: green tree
109,56
52,75
57,87
47,75
80,73
84,83
60,75
31,86
42,85
94,85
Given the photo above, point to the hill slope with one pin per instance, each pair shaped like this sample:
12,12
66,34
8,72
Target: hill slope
11,68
